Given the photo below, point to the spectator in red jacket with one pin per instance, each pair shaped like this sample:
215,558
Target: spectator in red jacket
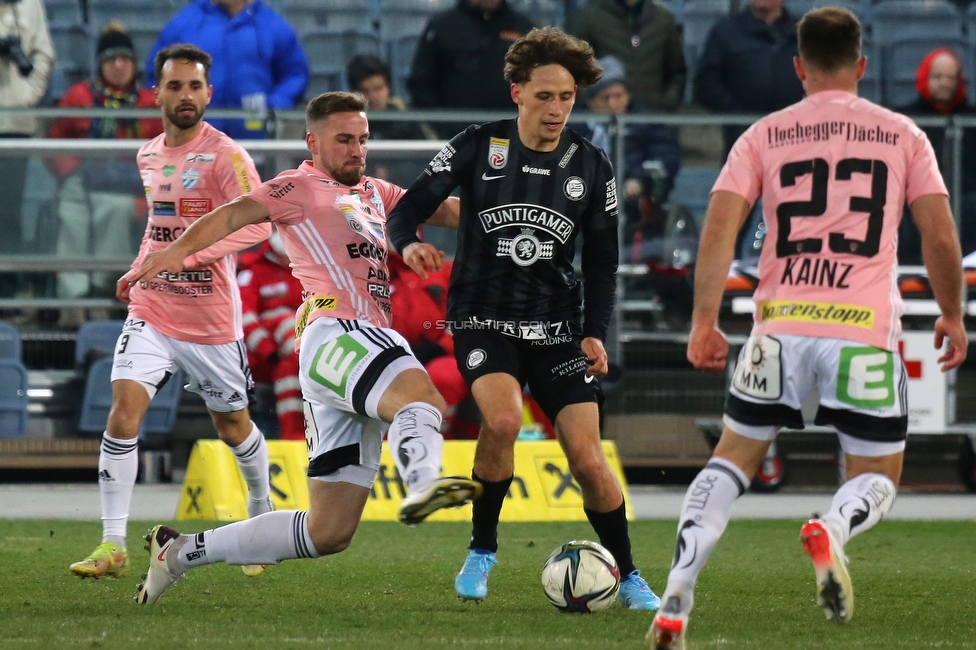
270,296
99,200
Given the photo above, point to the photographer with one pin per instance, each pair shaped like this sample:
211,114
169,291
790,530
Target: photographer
26,55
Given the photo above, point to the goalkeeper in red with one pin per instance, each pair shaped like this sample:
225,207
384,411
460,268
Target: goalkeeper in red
833,172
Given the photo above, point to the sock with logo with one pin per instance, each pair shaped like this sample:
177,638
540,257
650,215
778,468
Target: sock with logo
704,515
859,504
265,539
485,512
252,458
416,444
118,464
611,528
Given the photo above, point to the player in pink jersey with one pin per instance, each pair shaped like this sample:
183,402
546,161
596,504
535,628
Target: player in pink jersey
356,373
189,320
834,172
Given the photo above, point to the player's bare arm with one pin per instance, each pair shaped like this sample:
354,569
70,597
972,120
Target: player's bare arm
707,346
204,232
943,260
423,258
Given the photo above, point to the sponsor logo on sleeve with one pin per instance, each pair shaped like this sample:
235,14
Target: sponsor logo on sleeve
278,190
442,161
611,195
201,157
241,170
574,188
164,209
497,153
190,177
194,207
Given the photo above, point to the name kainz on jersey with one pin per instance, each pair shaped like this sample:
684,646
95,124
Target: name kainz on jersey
822,131
521,214
818,272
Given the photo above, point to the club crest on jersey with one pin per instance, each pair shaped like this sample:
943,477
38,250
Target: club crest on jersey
377,202
525,248
497,153
574,188
351,219
189,178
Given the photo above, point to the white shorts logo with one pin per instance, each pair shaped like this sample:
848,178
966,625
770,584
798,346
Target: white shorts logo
475,358
759,373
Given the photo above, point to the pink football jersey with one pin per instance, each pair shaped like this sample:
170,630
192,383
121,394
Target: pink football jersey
335,236
834,172
202,303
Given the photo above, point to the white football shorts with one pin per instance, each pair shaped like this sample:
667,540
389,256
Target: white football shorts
218,373
863,391
345,367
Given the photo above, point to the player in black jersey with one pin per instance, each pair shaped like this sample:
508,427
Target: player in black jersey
529,192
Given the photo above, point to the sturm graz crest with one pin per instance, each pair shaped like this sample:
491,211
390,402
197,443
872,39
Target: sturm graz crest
525,248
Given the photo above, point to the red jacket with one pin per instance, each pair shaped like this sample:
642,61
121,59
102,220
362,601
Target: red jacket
420,306
270,295
82,95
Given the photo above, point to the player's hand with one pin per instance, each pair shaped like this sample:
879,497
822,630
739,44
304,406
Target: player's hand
593,349
708,349
122,288
955,331
168,260
422,258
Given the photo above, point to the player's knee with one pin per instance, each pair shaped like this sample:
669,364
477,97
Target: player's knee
331,542
436,400
123,422
588,468
504,425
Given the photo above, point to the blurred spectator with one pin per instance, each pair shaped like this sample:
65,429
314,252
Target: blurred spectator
370,77
26,56
270,296
942,92
460,59
100,200
746,65
645,37
258,63
652,154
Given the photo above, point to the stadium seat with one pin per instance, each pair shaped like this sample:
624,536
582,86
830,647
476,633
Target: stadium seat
901,60
870,86
692,187
401,61
324,81
335,14
10,346
63,12
698,18
895,20
73,52
543,13
408,17
154,13
98,337
13,398
329,50
97,401
799,7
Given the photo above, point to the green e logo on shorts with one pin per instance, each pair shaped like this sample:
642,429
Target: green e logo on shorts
334,360
866,378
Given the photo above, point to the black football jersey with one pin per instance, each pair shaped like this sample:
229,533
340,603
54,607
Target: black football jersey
522,212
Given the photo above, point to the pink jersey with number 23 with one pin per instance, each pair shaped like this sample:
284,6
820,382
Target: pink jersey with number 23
834,172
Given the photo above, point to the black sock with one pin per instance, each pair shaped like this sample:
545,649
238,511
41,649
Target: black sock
611,528
484,532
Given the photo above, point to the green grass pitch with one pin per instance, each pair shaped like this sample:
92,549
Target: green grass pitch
915,586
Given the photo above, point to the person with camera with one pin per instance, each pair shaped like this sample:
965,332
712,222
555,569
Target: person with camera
26,55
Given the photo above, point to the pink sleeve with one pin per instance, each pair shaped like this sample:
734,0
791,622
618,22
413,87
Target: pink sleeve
923,170
236,173
390,193
742,173
284,197
235,242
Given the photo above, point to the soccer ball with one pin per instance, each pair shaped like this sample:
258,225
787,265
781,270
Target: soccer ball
581,576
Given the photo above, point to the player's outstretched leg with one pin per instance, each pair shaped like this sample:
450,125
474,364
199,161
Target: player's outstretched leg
416,445
163,565
705,513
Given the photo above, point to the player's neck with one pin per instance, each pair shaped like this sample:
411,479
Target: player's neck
818,82
177,137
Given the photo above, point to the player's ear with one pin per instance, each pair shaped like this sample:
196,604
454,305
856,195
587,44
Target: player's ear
517,94
156,95
800,70
862,65
209,94
311,143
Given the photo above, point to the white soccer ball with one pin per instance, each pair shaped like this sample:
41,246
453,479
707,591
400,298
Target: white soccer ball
581,576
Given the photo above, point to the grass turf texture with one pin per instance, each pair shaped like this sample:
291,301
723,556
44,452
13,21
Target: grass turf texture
915,586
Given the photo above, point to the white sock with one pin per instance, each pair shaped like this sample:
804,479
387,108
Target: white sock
704,515
252,458
859,504
118,464
265,539
416,444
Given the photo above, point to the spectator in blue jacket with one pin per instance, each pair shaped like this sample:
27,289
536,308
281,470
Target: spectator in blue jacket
746,65
258,63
